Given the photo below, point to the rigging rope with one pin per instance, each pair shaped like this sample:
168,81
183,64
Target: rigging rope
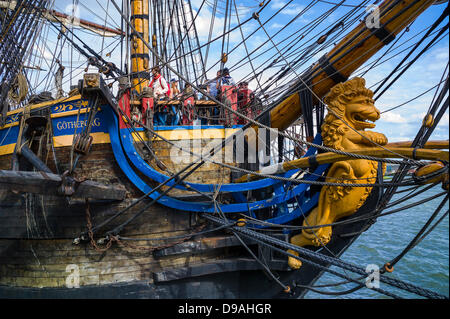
328,260
434,26
418,238
19,89
350,220
241,115
272,177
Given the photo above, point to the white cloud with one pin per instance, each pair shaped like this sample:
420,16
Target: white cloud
397,139
276,26
391,117
292,9
203,24
277,4
414,117
441,54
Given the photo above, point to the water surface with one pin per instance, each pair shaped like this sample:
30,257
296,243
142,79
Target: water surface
426,265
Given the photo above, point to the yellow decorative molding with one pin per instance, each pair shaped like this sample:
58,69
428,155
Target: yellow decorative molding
101,138
55,115
188,134
52,102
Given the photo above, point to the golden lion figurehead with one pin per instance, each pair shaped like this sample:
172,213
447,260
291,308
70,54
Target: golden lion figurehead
350,106
351,102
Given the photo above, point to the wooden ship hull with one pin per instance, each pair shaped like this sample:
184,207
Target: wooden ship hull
40,259
54,242
200,268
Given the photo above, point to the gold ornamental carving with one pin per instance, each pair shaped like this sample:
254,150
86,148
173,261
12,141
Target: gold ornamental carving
351,111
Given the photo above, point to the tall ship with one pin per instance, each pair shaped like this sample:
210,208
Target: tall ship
211,148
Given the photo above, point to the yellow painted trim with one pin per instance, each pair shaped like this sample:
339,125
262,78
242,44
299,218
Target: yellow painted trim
55,115
69,113
61,141
10,125
102,138
186,134
66,140
428,145
7,149
36,106
393,152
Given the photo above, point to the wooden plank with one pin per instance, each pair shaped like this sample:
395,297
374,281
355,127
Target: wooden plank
199,245
48,184
378,152
437,145
221,266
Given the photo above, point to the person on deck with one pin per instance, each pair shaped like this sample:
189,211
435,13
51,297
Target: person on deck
161,90
188,91
188,98
174,117
213,85
225,78
244,101
212,90
174,90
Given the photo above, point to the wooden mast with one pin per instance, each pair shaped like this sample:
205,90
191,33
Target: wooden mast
139,51
345,61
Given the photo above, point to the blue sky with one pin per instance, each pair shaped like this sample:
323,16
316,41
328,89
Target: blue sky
402,123
399,124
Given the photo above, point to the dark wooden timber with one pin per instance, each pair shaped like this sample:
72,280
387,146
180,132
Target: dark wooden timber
220,266
199,245
206,243
34,160
48,184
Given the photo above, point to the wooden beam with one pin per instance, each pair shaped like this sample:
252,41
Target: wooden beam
56,16
140,59
48,184
94,27
437,145
200,245
221,266
330,157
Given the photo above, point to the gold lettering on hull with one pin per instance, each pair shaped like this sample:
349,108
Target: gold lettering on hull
64,125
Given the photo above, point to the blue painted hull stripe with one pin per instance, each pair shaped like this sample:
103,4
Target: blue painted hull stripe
118,149
147,170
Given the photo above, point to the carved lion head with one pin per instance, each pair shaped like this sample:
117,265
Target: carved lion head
353,103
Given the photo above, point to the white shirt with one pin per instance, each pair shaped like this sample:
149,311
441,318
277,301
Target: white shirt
160,86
